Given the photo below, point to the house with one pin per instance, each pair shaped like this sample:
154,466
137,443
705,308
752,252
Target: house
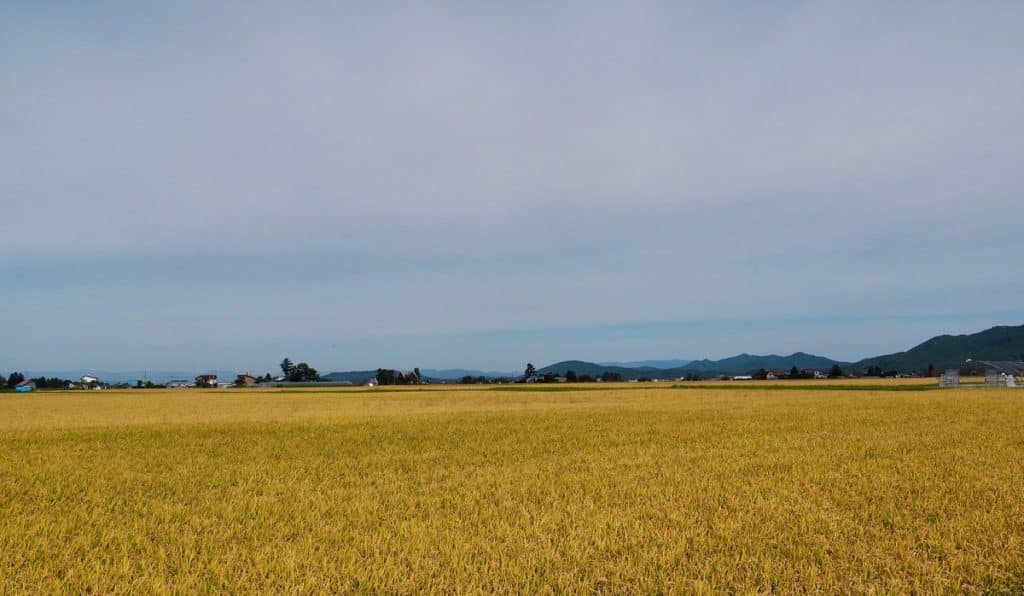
206,381
245,380
816,373
90,381
179,384
408,377
774,375
25,386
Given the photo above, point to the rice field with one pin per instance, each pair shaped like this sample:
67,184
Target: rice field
841,486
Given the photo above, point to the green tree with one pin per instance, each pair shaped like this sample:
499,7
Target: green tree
794,373
530,370
14,379
570,376
386,376
303,373
287,367
836,372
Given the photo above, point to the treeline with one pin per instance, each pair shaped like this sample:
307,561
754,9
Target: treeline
15,378
388,376
298,373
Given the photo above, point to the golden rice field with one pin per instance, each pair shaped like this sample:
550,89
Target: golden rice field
634,488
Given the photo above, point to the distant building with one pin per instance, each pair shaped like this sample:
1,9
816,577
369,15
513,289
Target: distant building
25,386
407,377
206,381
743,378
90,381
371,383
245,380
180,384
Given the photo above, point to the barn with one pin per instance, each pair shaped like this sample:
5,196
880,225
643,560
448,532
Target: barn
25,386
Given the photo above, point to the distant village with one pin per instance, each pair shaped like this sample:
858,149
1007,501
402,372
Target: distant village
997,373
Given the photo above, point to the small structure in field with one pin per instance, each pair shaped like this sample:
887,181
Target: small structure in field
1002,373
25,386
206,381
950,379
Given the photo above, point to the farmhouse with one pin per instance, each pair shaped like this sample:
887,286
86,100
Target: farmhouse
25,386
206,381
246,380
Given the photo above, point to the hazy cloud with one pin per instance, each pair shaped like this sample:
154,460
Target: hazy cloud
313,175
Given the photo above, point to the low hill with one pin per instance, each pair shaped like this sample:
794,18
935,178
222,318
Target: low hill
595,370
356,377
952,351
659,364
449,374
747,363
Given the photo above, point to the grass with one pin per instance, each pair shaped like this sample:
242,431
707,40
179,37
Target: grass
638,488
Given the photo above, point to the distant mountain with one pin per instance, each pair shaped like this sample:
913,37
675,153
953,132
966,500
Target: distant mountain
662,364
747,363
952,351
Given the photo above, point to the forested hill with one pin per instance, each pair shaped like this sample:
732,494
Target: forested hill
952,351
745,363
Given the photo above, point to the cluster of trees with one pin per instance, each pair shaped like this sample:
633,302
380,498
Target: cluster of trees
51,383
471,380
388,376
876,371
530,376
14,378
836,372
41,382
298,373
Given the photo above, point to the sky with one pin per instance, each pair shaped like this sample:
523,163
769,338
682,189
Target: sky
198,185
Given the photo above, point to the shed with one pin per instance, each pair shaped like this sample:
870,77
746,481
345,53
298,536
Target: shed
25,386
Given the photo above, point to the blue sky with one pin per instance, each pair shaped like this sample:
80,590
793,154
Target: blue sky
217,185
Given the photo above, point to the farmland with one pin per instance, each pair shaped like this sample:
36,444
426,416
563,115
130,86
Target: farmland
817,486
